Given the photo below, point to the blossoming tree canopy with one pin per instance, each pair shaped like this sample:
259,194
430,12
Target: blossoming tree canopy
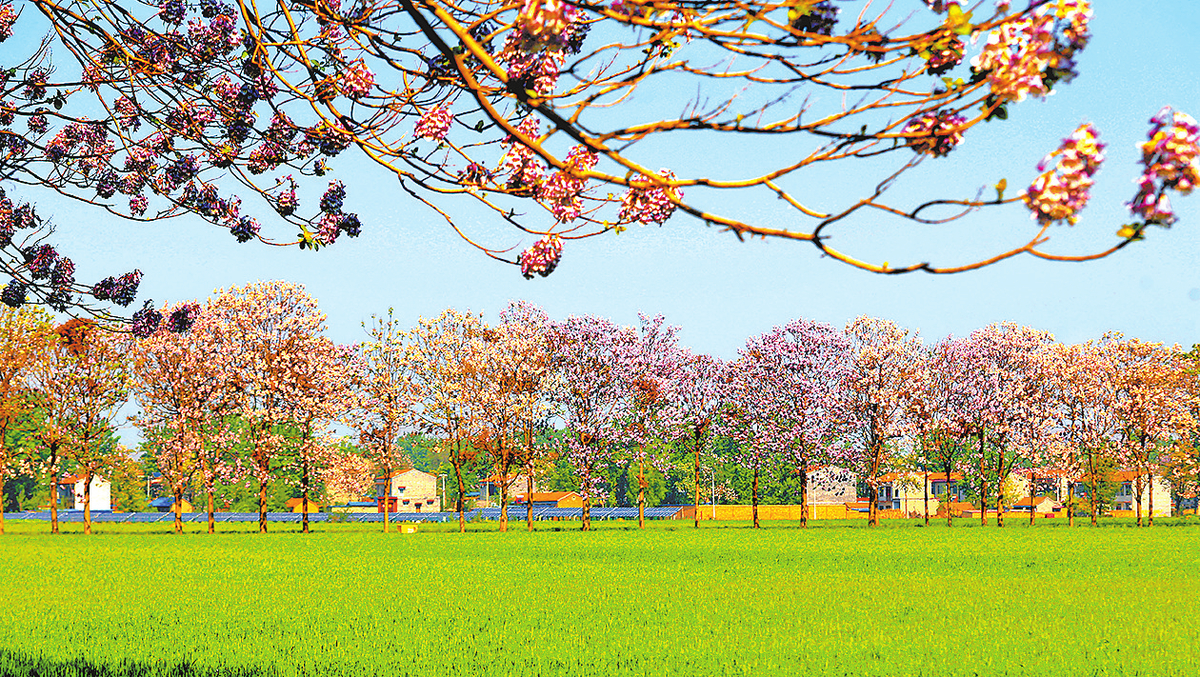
237,113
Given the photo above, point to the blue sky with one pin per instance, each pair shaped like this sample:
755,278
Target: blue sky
1142,56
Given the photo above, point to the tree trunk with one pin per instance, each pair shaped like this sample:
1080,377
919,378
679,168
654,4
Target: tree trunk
696,516
262,505
1094,483
504,502
87,503
1070,502
754,495
642,495
803,495
925,491
1031,497
54,489
949,503
587,514
528,489
387,499
208,491
1000,474
304,497
983,487
462,490
873,505
178,508
1150,502
1137,496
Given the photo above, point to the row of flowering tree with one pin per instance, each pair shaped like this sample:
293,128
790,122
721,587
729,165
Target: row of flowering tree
237,113
252,392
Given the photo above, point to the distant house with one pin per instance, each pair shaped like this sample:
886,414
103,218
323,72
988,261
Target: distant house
408,491
297,505
552,499
167,504
70,493
1039,504
830,485
489,487
1126,498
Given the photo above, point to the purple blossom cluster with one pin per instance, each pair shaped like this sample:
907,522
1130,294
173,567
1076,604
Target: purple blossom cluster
244,228
146,321
1060,191
434,124
35,84
182,318
542,258
651,203
563,191
1171,161
814,17
40,261
14,294
935,133
1026,56
120,290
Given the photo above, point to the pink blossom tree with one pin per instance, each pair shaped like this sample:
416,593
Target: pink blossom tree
1152,408
695,395
586,355
1082,382
25,338
647,368
799,375
436,353
885,357
181,387
264,328
1010,398
81,386
315,392
380,410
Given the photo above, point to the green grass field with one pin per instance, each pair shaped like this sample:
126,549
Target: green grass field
670,601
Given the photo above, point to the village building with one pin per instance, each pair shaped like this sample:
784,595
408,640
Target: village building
70,493
552,499
408,491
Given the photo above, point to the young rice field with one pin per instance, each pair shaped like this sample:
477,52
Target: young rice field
347,601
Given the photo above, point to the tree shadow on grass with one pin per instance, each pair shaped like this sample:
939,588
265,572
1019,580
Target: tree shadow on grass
13,664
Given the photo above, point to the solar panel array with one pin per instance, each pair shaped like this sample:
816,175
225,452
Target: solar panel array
515,513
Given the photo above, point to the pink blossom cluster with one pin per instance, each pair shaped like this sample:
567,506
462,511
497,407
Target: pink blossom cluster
522,169
287,201
531,69
1026,56
653,203
434,124
127,114
935,133
1060,192
218,37
81,144
547,24
563,191
357,80
542,257
1171,157
7,18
